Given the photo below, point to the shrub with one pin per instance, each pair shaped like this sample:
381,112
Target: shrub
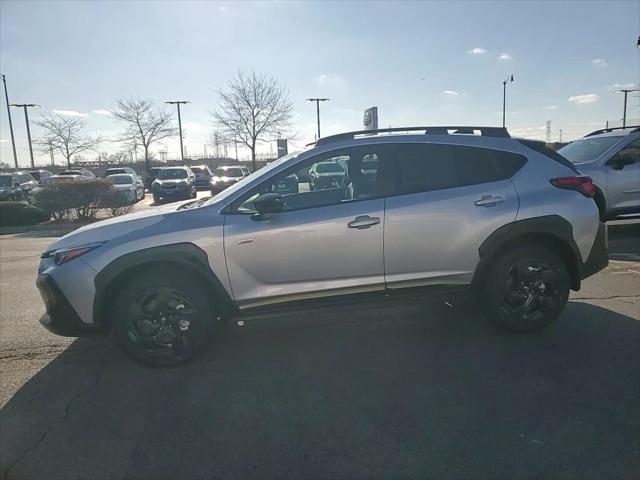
73,198
17,213
116,203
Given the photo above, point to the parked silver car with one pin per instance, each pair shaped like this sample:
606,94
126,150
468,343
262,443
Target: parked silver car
437,207
611,157
129,184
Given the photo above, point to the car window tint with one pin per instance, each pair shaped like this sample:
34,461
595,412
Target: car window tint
429,167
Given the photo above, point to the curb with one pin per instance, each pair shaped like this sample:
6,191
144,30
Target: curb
54,228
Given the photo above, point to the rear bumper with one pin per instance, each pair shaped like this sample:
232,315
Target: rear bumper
60,317
598,257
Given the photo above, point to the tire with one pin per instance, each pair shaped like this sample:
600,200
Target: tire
526,289
163,317
602,206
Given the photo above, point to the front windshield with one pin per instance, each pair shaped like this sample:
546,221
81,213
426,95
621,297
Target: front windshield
5,181
228,172
115,171
329,168
172,173
121,179
72,172
258,173
587,149
197,169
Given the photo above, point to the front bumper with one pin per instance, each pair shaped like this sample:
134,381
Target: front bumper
60,317
598,257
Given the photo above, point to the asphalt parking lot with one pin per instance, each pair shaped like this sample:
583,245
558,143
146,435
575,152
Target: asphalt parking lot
422,389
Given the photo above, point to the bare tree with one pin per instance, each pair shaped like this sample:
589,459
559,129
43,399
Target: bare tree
253,107
65,135
144,124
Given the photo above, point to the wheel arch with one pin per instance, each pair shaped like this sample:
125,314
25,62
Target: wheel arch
182,256
552,232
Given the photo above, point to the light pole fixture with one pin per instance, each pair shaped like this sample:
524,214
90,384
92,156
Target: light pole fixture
13,141
177,103
626,92
504,98
318,100
25,106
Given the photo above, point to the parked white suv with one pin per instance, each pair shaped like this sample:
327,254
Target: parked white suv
433,206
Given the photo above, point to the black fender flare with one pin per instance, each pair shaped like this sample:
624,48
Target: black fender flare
551,231
183,255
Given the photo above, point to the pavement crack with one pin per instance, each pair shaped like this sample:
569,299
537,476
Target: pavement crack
98,377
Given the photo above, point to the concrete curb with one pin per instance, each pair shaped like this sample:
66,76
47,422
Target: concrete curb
54,229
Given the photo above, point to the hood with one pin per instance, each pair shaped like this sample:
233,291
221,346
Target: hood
226,179
113,227
124,186
170,181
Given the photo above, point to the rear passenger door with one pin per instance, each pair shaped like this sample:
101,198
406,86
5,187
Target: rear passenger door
446,200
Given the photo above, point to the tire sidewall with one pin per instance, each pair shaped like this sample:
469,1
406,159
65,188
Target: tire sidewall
159,278
493,281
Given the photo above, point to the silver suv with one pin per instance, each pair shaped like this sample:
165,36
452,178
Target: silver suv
418,208
611,157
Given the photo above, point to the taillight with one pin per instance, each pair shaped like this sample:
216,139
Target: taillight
584,185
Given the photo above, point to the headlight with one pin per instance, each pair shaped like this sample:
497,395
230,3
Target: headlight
63,255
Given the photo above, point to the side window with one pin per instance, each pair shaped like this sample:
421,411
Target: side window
428,167
630,153
423,168
328,179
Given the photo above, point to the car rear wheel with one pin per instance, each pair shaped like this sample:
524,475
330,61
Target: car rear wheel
163,318
526,289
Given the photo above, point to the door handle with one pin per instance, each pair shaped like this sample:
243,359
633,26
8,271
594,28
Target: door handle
363,221
489,200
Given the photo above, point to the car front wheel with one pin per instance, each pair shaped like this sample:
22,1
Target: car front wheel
526,289
163,318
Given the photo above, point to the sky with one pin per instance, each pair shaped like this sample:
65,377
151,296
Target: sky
420,63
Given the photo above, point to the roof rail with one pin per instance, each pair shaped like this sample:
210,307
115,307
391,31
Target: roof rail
439,130
634,128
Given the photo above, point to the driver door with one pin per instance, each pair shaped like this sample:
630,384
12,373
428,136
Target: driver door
323,242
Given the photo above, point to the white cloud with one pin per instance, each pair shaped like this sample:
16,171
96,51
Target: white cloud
620,86
104,113
551,107
477,51
599,62
330,80
69,113
504,56
584,99
451,92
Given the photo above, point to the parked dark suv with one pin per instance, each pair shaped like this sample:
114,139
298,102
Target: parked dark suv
174,182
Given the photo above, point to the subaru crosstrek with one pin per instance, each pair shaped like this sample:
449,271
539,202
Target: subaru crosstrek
431,206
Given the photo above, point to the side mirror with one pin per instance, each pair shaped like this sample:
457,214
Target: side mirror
16,185
618,162
268,204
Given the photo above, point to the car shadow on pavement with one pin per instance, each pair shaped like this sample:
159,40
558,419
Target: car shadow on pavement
422,389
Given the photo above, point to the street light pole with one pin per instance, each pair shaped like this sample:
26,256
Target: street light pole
13,141
626,91
504,98
318,100
25,106
177,103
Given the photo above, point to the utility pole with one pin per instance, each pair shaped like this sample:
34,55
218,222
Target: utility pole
177,103
13,141
626,92
560,139
51,154
235,143
25,106
318,100
504,98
